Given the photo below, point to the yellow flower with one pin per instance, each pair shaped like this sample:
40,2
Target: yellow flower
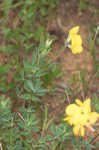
76,44
76,40
80,115
73,31
78,129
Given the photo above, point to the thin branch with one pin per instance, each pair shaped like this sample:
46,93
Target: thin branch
1,147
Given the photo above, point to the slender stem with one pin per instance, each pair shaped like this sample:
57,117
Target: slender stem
67,96
45,121
1,147
93,140
90,127
81,87
11,133
96,34
18,4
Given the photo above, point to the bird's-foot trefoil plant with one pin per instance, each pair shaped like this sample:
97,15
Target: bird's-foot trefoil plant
79,115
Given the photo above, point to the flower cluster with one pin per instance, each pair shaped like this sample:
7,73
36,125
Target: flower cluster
76,40
80,115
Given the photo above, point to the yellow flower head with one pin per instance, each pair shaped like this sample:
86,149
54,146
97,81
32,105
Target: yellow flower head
80,115
76,40
73,31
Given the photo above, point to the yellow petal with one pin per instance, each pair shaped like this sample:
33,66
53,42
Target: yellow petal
79,102
83,119
76,44
80,119
69,120
77,50
82,131
87,106
74,30
75,119
72,109
76,130
93,117
87,101
76,40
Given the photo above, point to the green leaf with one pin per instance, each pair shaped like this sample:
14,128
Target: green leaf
7,4
29,84
95,102
82,5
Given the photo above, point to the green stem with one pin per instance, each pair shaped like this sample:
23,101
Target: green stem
11,133
45,121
